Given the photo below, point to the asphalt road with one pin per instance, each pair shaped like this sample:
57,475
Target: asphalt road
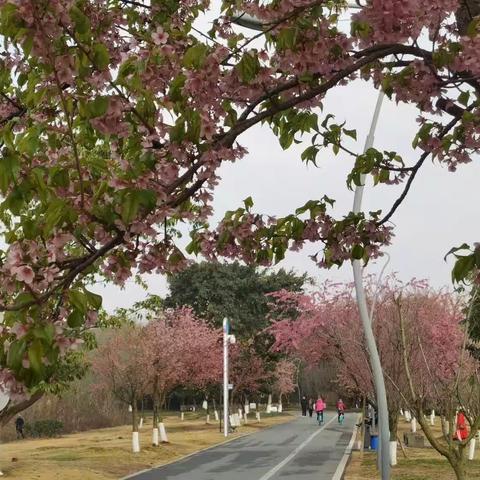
298,450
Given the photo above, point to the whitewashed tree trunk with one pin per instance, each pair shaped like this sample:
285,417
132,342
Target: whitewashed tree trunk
155,437
245,417
414,425
182,416
471,449
240,412
216,415
269,403
130,408
140,424
163,432
208,419
432,418
135,442
280,408
393,453
401,412
258,416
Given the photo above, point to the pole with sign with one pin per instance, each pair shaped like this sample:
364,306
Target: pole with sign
227,339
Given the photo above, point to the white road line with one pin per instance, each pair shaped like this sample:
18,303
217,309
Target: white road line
343,462
275,469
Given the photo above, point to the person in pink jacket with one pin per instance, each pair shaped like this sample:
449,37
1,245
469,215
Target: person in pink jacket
320,406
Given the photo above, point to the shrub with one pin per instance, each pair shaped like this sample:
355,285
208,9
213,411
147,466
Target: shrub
44,428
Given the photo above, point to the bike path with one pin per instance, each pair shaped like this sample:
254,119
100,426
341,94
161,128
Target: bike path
298,450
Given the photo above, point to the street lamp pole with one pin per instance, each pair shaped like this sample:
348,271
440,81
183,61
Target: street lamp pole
379,381
248,21
225,377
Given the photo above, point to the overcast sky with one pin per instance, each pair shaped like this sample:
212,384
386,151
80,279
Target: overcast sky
441,210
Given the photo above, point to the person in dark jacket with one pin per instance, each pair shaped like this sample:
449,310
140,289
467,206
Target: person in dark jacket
311,405
19,426
303,403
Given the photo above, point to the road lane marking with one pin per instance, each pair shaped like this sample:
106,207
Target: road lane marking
343,462
279,466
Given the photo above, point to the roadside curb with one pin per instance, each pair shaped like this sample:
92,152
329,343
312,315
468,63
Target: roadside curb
196,452
342,466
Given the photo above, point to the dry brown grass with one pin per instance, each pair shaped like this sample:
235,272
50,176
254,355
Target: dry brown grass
106,453
421,464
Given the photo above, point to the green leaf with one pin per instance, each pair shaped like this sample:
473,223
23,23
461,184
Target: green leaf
248,202
94,300
75,319
78,300
462,268
101,57
350,133
248,67
463,98
35,354
98,106
15,354
130,205
357,252
195,56
464,246
80,20
310,154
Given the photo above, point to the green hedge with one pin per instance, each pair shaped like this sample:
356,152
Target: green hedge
44,428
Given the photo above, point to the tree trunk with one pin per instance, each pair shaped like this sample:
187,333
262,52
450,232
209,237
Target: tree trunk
135,437
393,424
460,468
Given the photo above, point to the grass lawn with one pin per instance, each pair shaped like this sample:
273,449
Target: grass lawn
106,453
421,464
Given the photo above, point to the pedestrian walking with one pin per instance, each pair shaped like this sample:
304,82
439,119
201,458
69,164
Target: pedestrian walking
311,405
303,403
320,406
19,426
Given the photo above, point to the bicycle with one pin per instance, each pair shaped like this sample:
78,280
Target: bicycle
320,418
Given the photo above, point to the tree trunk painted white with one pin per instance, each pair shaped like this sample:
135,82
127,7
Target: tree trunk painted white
269,408
408,417
155,437
140,424
471,449
233,423
247,408
393,453
208,419
182,416
205,405
237,419
130,408
216,415
432,418
245,417
414,425
135,442
269,403
240,412
401,412
258,416
163,433
280,408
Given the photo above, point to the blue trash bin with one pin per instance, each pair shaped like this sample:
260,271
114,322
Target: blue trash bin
374,442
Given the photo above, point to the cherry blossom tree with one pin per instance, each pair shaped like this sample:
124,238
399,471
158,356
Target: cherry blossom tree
116,116
180,350
421,344
119,367
284,377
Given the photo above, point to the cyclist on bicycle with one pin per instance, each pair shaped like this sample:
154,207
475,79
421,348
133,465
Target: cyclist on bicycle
320,406
340,410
